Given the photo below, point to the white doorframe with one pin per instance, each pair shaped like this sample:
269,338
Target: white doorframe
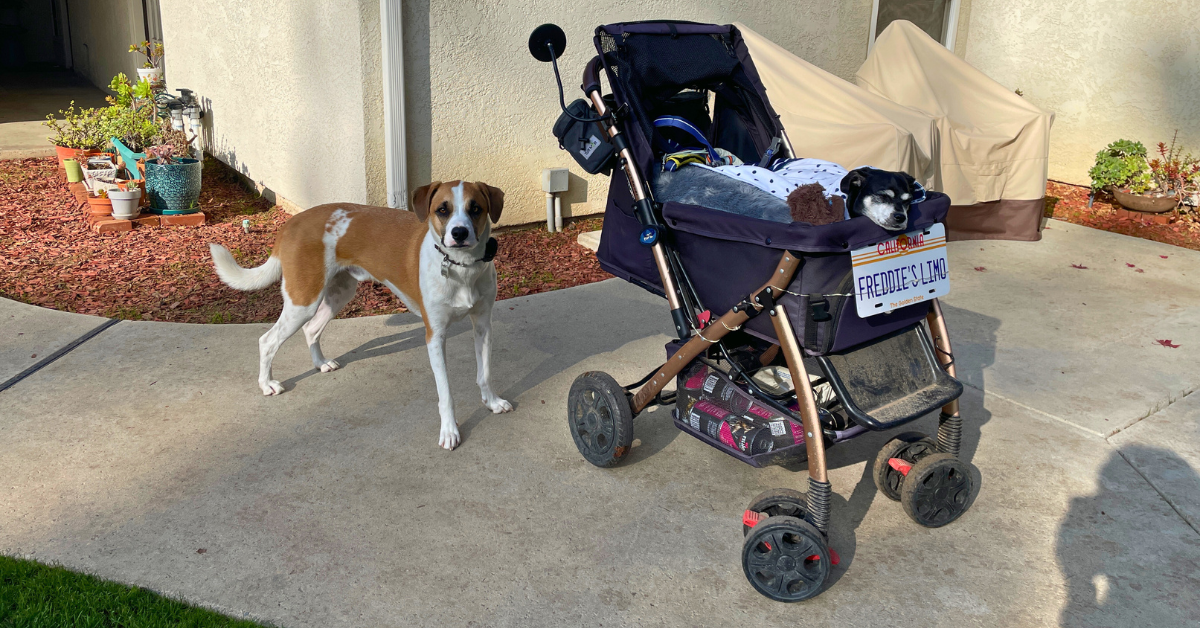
948,31
396,155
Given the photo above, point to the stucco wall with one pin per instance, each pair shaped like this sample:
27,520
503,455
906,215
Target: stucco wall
101,32
483,109
291,89
1108,69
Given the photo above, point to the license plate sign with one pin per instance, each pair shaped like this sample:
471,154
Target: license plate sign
907,269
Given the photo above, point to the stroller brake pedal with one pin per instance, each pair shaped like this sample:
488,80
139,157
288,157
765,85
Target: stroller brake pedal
751,518
903,466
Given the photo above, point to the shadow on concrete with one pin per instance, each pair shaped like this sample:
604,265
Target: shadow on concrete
1108,579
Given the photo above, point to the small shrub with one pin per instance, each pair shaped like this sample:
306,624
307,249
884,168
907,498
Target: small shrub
1122,164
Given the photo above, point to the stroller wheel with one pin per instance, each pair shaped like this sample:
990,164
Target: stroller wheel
600,418
937,490
910,447
778,502
785,559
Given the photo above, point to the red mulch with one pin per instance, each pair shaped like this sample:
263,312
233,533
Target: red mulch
49,257
1069,203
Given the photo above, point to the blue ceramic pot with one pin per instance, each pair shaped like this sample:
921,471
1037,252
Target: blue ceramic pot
173,188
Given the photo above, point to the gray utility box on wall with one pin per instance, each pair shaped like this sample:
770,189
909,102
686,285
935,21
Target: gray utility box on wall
554,180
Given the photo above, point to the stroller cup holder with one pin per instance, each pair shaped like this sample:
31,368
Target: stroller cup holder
891,380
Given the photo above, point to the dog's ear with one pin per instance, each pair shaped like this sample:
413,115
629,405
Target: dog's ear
853,181
912,183
421,199
851,186
495,200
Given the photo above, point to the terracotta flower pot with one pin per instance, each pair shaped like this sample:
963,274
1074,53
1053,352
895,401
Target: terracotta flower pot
62,152
1143,203
99,206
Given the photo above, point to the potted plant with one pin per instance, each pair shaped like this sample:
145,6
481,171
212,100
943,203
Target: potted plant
99,168
100,205
125,202
1174,172
151,69
172,183
131,120
79,134
1123,170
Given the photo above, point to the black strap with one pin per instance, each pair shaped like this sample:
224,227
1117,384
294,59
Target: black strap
818,312
489,250
489,253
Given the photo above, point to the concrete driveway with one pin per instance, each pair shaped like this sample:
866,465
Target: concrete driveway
146,454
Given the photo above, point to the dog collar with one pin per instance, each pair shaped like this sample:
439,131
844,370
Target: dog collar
489,253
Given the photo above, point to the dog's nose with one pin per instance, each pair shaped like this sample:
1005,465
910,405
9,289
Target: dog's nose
459,234
899,217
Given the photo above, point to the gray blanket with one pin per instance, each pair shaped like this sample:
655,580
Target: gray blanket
698,186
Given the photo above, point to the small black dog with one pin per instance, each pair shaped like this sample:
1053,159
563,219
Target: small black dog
882,196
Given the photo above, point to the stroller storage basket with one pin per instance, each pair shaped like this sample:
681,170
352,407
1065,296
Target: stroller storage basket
890,381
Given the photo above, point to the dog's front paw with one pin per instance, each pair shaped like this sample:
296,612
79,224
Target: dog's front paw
272,387
330,366
449,437
498,405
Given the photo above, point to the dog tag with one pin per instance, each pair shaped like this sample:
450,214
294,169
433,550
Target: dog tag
445,266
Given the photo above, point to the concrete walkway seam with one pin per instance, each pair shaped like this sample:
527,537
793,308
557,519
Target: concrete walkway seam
1170,402
1156,490
1043,413
46,361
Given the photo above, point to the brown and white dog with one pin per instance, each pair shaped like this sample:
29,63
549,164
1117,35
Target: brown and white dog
432,258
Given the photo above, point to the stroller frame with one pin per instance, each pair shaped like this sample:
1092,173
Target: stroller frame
782,514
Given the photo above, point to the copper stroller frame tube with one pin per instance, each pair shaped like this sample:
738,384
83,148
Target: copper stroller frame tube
732,320
637,186
950,421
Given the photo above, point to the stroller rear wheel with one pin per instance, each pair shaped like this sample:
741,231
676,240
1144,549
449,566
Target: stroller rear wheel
785,559
937,490
909,447
600,417
778,502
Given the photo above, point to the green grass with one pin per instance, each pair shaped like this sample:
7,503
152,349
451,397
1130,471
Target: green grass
33,595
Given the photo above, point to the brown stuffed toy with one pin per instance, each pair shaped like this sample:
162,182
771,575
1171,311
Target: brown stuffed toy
808,204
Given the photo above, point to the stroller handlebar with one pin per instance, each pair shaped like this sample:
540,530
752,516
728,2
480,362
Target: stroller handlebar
591,75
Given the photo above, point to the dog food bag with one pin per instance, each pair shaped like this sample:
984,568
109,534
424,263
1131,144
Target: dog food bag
784,431
722,391
740,433
692,378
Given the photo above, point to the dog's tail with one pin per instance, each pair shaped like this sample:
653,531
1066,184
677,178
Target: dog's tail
240,278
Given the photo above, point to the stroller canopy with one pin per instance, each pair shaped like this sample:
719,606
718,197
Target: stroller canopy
993,143
832,119
648,63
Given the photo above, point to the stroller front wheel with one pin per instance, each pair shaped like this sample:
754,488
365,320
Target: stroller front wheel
937,490
600,418
786,559
778,502
910,447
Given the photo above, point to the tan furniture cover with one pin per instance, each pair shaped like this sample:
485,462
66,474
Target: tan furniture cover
832,119
993,144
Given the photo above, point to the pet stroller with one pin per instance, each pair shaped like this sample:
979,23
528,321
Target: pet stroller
757,303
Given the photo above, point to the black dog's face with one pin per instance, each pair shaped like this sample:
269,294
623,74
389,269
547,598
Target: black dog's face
882,196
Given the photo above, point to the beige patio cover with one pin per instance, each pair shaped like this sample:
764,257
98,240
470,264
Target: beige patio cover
832,119
993,144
